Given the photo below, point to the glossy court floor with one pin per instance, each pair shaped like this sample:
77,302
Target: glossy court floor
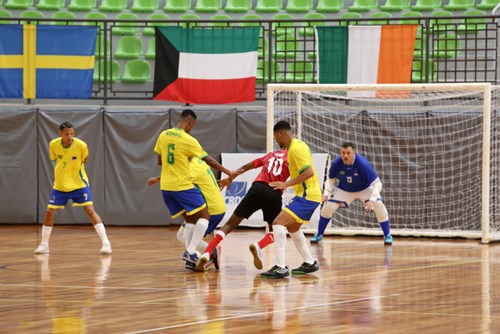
415,286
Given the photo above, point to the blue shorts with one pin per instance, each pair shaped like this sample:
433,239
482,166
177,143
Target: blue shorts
301,209
80,197
178,202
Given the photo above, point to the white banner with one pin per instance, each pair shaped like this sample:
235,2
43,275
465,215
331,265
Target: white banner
242,183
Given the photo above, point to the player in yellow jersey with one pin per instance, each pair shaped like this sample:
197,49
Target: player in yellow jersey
305,183
175,147
204,179
70,182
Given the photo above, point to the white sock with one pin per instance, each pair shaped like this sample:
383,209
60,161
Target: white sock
46,231
300,242
222,234
101,232
198,233
180,233
188,234
202,245
279,232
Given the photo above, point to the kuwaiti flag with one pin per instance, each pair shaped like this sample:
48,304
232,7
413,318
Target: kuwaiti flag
206,66
365,54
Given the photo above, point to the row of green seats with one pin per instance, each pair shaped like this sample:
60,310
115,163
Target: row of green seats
243,6
136,71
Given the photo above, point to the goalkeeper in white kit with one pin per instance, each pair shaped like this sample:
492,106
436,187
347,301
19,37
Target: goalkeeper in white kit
352,177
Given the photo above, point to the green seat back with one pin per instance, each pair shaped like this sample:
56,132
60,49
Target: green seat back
63,16
50,5
150,30
238,6
151,51
208,6
363,5
113,5
329,6
177,6
126,28
287,46
426,5
144,6
136,71
268,6
82,5
308,29
129,47
299,6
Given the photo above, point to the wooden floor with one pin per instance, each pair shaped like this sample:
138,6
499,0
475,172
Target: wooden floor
415,286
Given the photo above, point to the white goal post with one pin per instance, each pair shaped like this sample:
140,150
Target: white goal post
435,147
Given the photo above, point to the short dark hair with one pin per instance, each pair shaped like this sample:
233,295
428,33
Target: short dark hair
347,144
282,125
188,113
66,125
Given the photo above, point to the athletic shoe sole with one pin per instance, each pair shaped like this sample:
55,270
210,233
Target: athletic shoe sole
257,262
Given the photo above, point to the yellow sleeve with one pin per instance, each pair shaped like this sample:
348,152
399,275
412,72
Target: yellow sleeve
302,158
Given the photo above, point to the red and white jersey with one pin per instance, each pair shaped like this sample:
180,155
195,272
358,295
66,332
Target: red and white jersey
274,167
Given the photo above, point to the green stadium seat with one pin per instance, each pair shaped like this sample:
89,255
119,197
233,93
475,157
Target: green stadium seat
457,5
113,5
99,46
207,6
219,17
50,5
411,14
129,47
446,46
5,14
268,6
395,5
285,26
150,30
191,18
350,16
112,68
63,16
177,6
363,5
95,16
263,71
136,71
419,70
329,6
144,6
380,15
32,14
151,51
426,5
82,5
487,4
238,6
444,24
308,29
255,18
299,6
287,47
126,28
473,25
18,4
300,71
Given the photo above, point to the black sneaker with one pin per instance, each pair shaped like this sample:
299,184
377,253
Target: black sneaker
306,268
276,272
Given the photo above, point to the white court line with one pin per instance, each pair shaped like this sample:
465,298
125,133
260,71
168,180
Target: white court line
93,287
254,314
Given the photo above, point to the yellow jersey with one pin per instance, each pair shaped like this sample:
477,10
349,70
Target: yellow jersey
69,171
203,178
300,158
175,147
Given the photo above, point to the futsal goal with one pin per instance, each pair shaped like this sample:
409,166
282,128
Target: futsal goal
435,147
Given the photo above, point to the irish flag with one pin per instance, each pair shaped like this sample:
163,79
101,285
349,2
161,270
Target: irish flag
206,66
365,54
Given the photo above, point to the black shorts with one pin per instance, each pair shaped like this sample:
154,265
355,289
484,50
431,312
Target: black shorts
260,196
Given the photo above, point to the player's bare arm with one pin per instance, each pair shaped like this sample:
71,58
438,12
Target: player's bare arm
307,173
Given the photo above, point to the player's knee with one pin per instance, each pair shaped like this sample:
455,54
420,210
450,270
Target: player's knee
329,209
381,211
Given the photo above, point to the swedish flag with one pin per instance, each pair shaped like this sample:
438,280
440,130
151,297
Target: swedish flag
46,62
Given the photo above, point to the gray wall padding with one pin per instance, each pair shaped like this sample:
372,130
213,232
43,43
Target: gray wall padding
18,166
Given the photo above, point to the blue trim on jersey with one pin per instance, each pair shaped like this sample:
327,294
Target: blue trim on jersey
355,177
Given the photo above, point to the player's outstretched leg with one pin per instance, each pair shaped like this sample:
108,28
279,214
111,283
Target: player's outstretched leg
309,265
256,249
208,255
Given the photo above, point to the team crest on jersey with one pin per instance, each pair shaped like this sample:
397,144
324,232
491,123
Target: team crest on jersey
342,172
236,192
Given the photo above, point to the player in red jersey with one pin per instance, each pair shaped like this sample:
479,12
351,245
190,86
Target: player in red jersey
260,196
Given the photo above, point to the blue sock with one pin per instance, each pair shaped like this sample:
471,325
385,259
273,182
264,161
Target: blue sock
213,222
385,227
323,223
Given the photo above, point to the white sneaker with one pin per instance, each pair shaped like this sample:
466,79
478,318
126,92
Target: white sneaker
105,249
257,255
42,249
203,262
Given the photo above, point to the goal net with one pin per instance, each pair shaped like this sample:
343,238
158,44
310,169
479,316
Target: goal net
435,147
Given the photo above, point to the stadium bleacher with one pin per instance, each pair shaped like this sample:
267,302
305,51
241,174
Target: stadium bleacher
287,24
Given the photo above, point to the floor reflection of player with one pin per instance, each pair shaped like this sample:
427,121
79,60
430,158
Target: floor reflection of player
69,316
